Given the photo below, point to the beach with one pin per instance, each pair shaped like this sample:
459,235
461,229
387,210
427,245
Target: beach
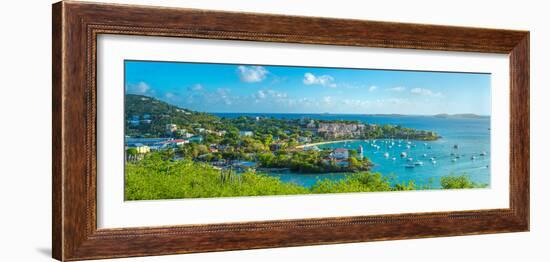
326,142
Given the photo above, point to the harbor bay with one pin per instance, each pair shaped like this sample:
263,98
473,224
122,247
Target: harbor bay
463,149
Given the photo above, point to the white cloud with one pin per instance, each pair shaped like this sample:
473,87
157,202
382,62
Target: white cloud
424,92
169,95
372,88
374,104
353,102
252,74
276,94
398,89
324,80
263,94
197,87
140,88
327,99
224,96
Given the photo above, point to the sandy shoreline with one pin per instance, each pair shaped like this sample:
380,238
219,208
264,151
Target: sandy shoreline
326,142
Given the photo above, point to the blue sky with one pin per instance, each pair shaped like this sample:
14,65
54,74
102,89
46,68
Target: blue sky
282,89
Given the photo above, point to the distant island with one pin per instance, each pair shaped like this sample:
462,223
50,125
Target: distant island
471,116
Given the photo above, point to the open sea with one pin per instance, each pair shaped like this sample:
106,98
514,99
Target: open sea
470,135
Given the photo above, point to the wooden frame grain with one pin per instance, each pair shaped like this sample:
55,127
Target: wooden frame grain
75,28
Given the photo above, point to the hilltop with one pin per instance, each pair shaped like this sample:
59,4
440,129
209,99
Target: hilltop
147,116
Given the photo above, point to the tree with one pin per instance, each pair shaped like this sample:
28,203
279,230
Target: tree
131,154
268,139
458,182
354,163
266,159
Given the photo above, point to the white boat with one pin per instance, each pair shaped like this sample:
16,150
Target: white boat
418,163
473,158
386,155
483,153
410,159
403,154
454,159
425,155
434,162
393,158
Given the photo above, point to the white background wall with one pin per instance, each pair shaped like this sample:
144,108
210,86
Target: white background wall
25,106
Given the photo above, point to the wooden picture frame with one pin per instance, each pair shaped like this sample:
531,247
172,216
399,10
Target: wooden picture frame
76,26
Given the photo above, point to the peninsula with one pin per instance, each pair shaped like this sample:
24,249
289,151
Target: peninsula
248,143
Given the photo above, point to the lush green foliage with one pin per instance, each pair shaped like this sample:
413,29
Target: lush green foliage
459,182
359,182
159,177
161,114
310,162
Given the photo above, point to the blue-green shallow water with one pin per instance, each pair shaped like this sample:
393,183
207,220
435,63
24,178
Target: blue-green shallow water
472,136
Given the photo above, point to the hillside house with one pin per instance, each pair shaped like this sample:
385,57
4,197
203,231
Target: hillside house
340,153
171,128
246,133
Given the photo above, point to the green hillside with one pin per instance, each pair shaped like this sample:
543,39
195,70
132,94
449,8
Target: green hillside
153,115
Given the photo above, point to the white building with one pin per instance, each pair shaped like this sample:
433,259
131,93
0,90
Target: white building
340,153
140,148
246,133
171,128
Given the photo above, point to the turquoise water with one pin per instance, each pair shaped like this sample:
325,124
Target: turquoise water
472,137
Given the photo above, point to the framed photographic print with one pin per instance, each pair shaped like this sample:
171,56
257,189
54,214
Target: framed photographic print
182,130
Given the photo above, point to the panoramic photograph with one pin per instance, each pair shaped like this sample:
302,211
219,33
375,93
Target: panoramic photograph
209,130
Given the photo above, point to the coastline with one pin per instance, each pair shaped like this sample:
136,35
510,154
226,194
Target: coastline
326,142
